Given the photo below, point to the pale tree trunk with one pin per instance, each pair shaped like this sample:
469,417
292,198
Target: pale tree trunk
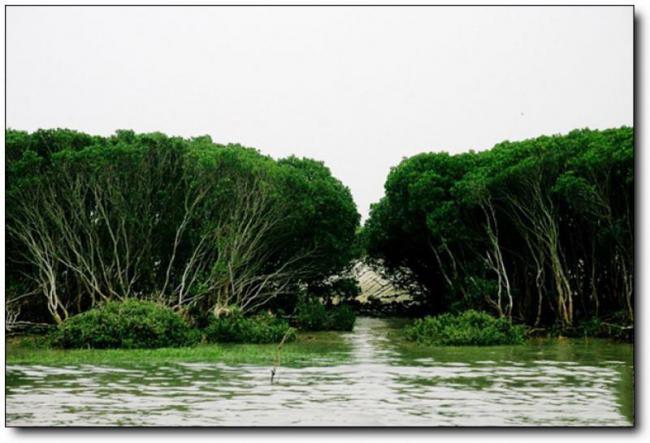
229,265
535,216
495,261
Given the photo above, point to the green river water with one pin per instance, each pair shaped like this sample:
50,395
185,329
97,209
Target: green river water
376,380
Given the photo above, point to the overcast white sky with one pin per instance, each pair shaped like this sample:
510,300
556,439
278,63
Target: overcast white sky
359,88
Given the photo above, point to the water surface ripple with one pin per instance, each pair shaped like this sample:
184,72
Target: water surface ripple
380,384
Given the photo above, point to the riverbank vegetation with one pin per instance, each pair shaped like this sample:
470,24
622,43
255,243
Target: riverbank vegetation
540,232
198,227
308,349
144,240
471,328
260,328
128,324
311,315
142,324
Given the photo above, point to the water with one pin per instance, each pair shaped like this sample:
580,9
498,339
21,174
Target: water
383,382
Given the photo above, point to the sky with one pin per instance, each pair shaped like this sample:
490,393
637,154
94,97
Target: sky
358,88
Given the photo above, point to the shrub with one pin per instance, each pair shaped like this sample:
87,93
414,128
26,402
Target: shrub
596,327
312,315
341,318
469,328
235,328
592,327
126,324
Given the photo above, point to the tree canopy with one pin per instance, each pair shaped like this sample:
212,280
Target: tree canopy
539,230
187,222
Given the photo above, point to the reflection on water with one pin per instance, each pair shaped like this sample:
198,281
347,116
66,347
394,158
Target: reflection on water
385,382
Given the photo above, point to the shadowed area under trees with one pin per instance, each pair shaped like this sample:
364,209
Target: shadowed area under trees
200,227
540,231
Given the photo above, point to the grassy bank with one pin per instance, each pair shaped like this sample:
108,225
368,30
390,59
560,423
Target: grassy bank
309,349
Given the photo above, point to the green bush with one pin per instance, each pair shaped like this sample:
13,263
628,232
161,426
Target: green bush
341,318
596,327
126,324
592,327
235,328
469,328
312,315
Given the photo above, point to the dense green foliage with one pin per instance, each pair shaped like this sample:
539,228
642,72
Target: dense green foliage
540,230
342,318
260,328
196,225
471,328
312,315
128,324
